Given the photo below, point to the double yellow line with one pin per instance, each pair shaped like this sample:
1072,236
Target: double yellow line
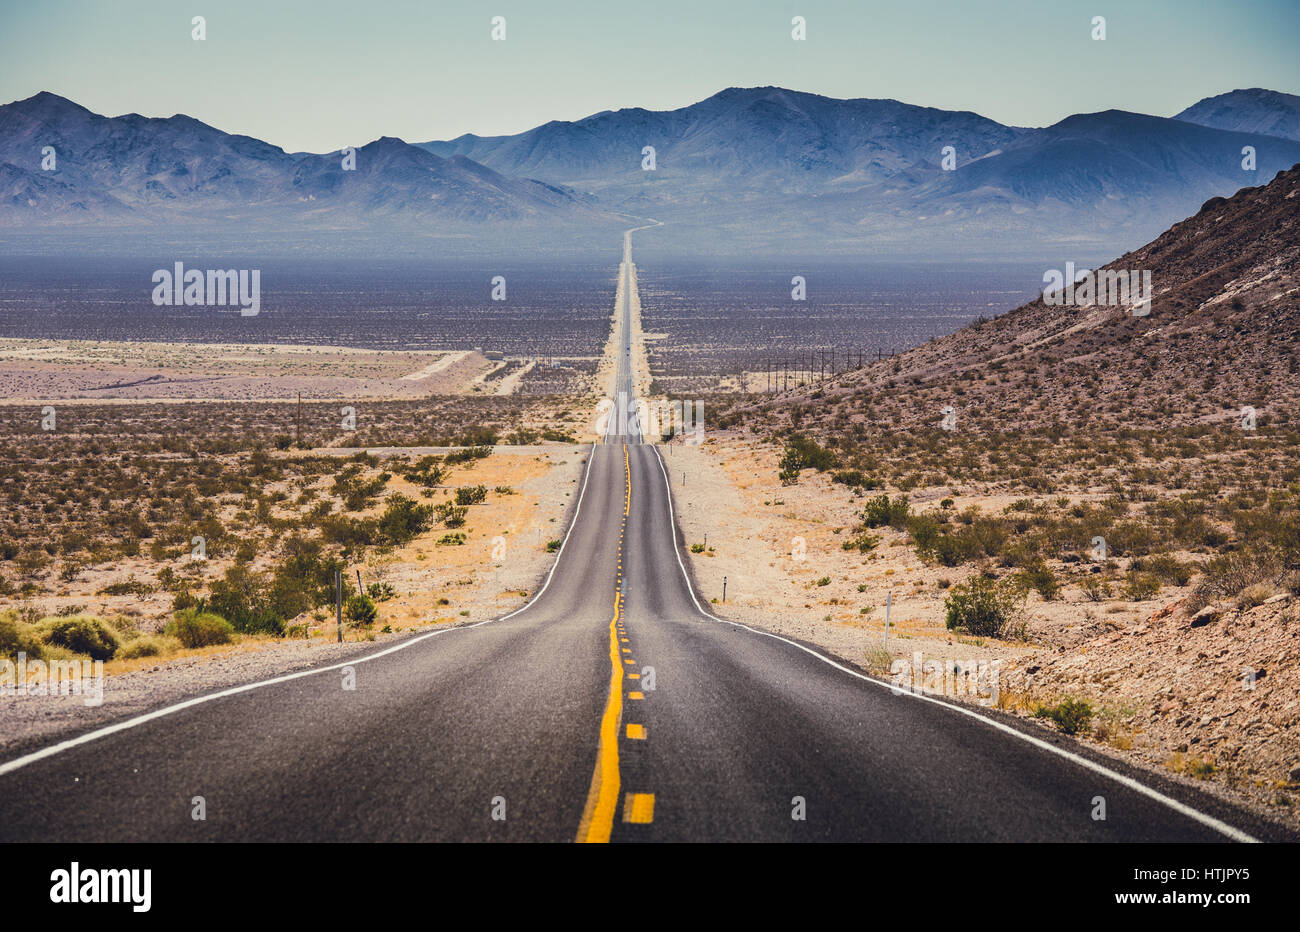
602,797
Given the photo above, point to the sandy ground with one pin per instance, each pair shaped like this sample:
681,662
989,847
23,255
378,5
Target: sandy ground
776,544
90,370
504,556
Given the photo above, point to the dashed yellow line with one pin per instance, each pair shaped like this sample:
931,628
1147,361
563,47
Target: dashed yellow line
635,731
639,807
602,796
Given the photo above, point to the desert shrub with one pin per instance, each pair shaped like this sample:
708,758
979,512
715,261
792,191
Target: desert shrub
199,629
360,611
804,453
1166,568
471,495
450,515
380,591
1139,586
554,545
1070,715
1095,588
883,511
245,600
149,645
862,543
1228,573
403,519
131,586
349,532
357,494
697,548
81,634
878,660
18,637
471,453
855,479
983,607
425,472
1255,594
1039,577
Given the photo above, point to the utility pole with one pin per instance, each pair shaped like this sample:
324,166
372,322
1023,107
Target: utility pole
297,432
338,600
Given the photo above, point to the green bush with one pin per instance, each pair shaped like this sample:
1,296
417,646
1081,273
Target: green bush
17,637
471,495
252,604
403,519
862,543
81,634
1070,715
148,645
882,510
983,607
1167,568
360,611
855,479
485,435
199,629
1038,576
1139,586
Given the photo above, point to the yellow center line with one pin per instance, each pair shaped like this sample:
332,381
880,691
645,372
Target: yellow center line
602,797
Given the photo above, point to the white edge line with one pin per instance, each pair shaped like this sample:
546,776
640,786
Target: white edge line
1223,828
53,749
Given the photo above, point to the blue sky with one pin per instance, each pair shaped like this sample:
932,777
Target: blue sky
316,75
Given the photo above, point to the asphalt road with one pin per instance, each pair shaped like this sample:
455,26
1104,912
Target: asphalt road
612,707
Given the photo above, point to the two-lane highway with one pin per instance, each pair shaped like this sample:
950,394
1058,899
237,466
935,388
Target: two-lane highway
613,706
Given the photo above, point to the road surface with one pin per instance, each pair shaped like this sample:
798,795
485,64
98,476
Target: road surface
613,707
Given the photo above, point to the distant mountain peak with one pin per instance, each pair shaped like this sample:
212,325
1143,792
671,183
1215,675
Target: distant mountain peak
1248,110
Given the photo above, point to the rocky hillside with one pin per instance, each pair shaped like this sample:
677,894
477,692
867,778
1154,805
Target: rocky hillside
1222,333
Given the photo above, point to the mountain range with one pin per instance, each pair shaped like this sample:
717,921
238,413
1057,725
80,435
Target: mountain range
746,170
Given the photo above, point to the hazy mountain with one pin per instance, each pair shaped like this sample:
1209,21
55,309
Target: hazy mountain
767,139
757,170
141,171
769,169
1254,110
